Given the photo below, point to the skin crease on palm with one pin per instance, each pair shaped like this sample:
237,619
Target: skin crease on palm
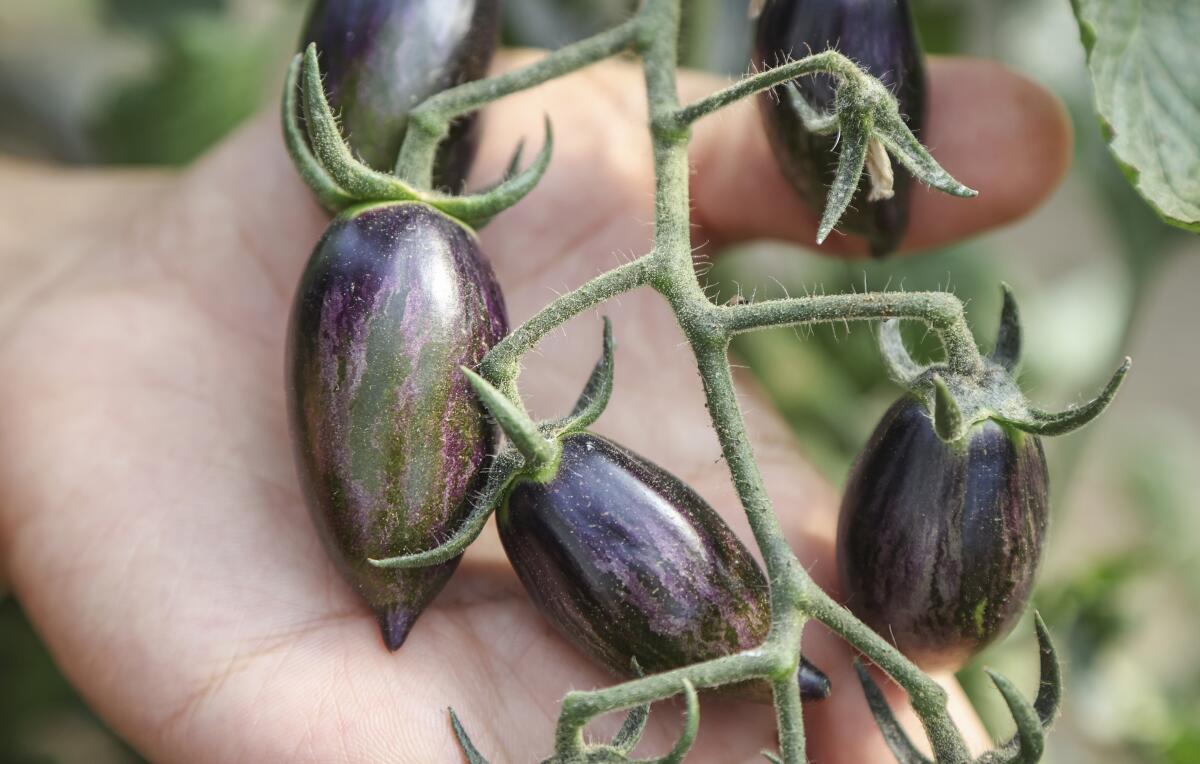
150,520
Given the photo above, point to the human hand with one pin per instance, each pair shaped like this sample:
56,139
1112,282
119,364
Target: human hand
150,519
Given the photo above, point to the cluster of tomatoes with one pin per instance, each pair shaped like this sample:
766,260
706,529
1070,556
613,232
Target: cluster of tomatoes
938,541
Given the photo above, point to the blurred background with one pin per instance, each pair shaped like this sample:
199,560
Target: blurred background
1097,274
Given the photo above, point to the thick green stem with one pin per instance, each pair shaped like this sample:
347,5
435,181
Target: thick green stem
429,123
927,696
943,312
654,32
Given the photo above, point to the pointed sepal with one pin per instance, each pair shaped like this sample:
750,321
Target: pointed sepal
1030,735
814,121
359,181
893,734
464,740
947,417
889,128
500,474
328,193
854,134
1007,352
634,725
597,391
900,365
477,209
522,431
1043,423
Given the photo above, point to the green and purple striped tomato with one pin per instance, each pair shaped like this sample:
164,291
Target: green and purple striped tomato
389,437
939,543
627,561
381,58
878,35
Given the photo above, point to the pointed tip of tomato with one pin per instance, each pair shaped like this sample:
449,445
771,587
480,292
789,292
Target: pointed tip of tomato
396,621
814,684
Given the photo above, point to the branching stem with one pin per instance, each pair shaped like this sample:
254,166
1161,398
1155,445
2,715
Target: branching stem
668,269
429,123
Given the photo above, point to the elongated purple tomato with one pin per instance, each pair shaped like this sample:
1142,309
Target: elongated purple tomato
381,58
389,438
879,36
627,561
938,543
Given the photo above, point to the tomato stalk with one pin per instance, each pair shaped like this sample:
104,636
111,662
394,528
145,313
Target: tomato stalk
966,387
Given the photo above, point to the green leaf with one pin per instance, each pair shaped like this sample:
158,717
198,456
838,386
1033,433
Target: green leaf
1142,59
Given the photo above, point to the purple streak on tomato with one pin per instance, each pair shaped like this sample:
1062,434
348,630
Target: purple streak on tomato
878,35
939,543
627,561
389,437
381,58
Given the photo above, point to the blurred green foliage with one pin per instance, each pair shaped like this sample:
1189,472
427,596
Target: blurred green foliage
166,79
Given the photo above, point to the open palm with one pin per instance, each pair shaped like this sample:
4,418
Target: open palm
150,519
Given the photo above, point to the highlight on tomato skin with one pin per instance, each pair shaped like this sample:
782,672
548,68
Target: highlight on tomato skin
881,37
939,543
389,438
628,562
380,58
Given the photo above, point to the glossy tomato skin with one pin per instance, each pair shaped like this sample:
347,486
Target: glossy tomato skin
627,561
389,437
381,58
878,35
938,544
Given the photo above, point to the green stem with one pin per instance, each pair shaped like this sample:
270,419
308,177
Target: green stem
927,696
943,312
829,62
429,123
668,268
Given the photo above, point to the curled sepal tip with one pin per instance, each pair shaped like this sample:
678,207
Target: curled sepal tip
1045,705
597,391
522,431
771,757
893,734
1030,735
691,725
635,721
814,121
501,472
1007,352
947,417
900,365
327,191
360,182
464,740
1049,696
851,160
477,209
1044,423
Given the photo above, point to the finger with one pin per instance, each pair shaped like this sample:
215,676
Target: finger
991,128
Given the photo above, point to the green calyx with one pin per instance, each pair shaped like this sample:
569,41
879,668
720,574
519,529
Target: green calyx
323,158
957,401
867,119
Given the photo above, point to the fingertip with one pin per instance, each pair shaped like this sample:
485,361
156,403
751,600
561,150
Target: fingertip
997,132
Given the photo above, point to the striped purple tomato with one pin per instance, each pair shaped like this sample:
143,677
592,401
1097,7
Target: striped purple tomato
381,58
938,543
627,561
389,438
879,36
